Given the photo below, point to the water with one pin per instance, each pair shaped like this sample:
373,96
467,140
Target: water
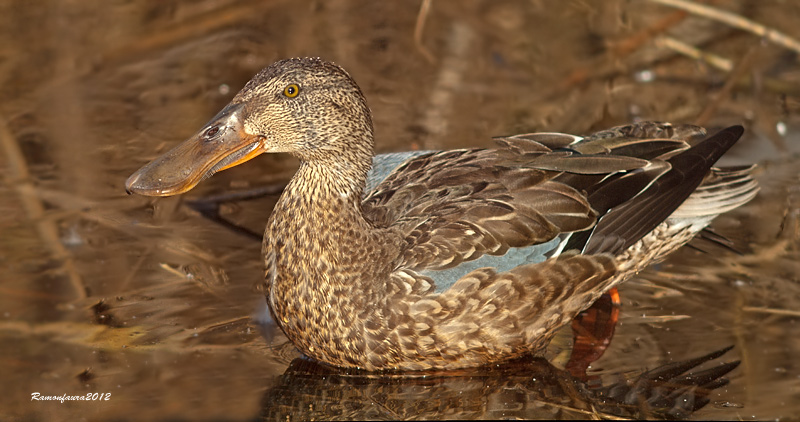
149,302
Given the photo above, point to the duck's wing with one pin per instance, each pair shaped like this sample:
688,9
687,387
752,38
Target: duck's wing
466,209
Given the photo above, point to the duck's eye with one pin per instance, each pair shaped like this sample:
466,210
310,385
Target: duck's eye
291,91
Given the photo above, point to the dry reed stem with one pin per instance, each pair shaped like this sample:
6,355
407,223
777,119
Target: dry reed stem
741,336
633,42
134,270
422,16
737,73
594,413
734,20
204,23
660,319
197,25
771,311
449,78
602,68
48,232
680,47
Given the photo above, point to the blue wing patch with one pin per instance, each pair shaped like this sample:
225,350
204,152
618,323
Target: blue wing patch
513,258
384,164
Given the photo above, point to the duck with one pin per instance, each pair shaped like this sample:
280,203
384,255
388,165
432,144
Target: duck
439,260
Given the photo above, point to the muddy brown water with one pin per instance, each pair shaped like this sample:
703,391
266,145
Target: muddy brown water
150,304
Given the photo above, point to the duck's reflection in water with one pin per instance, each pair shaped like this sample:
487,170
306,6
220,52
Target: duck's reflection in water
528,388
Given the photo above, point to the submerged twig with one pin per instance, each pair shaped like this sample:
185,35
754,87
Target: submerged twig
48,232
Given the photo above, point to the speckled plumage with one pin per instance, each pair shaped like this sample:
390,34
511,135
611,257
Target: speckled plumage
390,278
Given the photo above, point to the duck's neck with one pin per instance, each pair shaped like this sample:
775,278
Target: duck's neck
318,244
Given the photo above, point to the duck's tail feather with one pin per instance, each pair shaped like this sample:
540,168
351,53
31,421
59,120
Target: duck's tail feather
723,190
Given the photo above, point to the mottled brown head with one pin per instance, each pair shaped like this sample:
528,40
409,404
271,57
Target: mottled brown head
306,107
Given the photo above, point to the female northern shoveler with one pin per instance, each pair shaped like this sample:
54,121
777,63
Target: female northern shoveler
447,259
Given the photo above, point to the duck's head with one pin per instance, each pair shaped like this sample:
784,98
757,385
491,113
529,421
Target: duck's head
306,107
